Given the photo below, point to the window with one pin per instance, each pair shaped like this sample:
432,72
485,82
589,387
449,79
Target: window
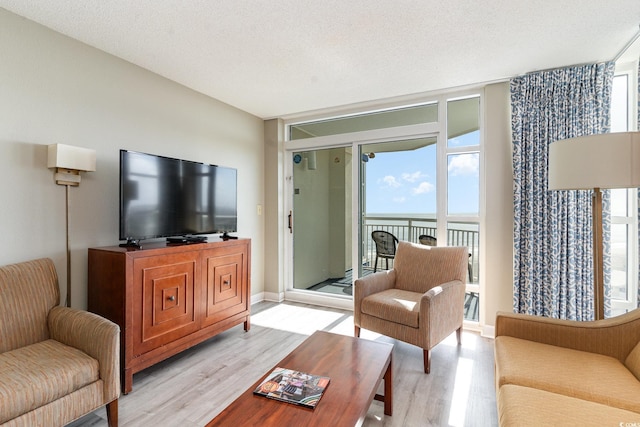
427,113
463,190
624,210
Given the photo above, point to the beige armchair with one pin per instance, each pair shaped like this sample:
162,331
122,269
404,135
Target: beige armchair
56,363
420,301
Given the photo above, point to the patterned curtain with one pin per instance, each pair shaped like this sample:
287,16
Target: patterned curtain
553,255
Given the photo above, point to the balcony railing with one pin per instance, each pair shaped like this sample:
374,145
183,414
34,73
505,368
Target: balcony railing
409,229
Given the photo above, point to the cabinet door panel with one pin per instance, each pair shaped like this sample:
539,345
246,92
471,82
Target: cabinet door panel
226,290
167,295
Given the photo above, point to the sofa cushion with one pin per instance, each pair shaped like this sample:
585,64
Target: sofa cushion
394,305
573,373
40,373
633,361
525,406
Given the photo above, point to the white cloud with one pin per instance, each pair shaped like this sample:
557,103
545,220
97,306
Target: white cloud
464,164
423,187
412,177
391,181
399,199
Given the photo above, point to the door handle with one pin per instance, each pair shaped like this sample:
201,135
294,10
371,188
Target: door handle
290,222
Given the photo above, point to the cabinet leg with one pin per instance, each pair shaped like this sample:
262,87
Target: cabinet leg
247,324
127,381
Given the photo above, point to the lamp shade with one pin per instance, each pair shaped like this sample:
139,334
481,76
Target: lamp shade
70,157
609,160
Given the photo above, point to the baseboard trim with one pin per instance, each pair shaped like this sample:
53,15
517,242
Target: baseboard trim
488,331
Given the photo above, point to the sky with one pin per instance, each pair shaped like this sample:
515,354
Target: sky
405,182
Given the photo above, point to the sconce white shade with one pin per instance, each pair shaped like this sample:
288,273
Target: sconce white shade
608,160
70,157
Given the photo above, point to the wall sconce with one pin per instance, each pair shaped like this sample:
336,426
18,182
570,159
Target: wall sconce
68,162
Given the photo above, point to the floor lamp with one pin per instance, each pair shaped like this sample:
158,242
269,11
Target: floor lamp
68,162
595,162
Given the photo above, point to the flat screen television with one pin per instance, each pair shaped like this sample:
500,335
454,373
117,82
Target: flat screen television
180,199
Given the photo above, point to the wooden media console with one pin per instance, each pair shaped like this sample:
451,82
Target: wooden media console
167,298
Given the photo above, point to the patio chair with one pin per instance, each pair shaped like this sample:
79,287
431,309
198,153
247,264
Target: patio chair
425,239
385,247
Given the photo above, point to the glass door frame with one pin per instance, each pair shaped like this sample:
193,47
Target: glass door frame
353,140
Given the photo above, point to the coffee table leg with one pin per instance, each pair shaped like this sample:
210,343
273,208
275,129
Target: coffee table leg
388,388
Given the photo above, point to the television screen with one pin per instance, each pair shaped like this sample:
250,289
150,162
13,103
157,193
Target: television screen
165,197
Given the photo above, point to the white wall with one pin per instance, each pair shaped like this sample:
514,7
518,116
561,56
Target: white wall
497,236
56,90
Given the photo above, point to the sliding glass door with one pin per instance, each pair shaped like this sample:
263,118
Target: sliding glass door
399,188
413,172
321,221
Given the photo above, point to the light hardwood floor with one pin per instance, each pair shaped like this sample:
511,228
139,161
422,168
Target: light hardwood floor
189,389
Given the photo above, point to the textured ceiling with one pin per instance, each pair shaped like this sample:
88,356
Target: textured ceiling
284,57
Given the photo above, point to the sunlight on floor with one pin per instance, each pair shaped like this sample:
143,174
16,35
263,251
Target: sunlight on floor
469,340
306,320
345,327
461,392
301,320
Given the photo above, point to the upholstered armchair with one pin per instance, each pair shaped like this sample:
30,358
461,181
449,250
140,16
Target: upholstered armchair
420,301
56,363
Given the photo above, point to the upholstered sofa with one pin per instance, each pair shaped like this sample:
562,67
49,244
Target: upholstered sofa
56,363
419,301
553,372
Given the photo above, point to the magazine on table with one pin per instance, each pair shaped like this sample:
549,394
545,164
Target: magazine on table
292,386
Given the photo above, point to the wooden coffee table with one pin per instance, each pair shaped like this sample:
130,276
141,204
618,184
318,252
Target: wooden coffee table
356,366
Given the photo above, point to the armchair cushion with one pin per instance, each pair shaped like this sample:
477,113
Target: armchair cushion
633,361
38,374
394,305
590,376
530,407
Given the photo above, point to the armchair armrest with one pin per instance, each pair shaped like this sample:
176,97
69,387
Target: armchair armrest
94,335
373,283
438,314
614,337
369,285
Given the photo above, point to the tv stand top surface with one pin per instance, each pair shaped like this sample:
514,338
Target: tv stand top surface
151,246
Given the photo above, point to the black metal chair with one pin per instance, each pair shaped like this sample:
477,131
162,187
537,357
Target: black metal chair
428,240
385,247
